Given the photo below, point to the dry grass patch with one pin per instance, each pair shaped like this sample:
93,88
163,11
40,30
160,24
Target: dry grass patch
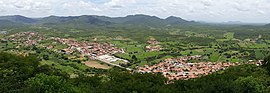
97,65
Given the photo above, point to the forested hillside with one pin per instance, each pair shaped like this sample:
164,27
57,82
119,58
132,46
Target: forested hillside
94,20
26,74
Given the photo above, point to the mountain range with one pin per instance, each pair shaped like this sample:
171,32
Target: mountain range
268,25
94,20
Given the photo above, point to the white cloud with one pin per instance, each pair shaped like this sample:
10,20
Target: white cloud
120,2
80,7
25,7
205,10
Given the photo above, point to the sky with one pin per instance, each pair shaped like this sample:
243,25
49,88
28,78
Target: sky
251,11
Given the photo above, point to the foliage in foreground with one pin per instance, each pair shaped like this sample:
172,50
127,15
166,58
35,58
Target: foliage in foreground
24,74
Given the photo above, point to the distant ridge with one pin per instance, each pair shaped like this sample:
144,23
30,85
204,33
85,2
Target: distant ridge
7,23
94,20
268,25
175,20
18,19
83,20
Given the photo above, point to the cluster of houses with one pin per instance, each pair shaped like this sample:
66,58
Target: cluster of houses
171,68
151,48
153,45
179,68
93,50
153,41
3,32
88,49
27,38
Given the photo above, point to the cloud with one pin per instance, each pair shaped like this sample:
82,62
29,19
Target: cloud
25,7
80,6
99,1
203,10
116,7
29,5
207,2
120,2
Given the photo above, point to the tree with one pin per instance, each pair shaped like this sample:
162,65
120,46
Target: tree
134,58
43,83
45,57
251,85
266,64
15,69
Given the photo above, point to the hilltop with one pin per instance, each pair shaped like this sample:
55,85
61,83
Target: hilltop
94,20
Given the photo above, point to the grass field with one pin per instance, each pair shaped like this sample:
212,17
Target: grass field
214,57
67,69
129,46
95,64
229,35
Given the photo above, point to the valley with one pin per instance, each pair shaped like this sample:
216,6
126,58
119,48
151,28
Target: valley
105,50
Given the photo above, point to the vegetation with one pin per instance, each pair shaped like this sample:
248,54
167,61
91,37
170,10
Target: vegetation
25,74
36,68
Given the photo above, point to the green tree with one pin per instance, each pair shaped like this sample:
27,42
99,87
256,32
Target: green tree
46,57
134,58
251,85
14,69
43,83
266,64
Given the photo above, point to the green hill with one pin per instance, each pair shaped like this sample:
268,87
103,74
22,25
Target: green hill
19,19
94,20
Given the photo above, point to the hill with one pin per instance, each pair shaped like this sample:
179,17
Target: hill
142,20
146,20
26,75
6,23
19,19
176,20
73,21
267,25
94,20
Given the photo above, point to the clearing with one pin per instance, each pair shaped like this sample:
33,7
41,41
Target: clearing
96,65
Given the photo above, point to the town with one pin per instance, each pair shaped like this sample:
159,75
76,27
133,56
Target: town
171,68
134,46
93,50
179,68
